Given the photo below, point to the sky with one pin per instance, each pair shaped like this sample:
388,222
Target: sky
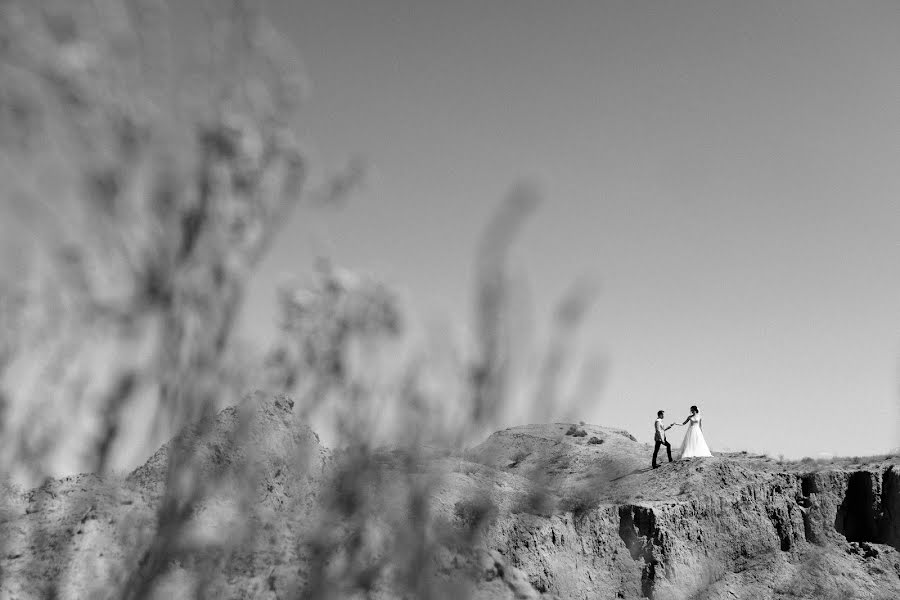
727,171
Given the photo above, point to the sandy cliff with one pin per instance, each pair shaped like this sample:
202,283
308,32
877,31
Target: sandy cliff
727,527
531,511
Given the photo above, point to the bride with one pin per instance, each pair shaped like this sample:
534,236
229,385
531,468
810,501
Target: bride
693,443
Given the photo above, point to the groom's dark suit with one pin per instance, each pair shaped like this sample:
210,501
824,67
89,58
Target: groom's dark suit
660,438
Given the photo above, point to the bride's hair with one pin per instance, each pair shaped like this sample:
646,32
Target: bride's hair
695,409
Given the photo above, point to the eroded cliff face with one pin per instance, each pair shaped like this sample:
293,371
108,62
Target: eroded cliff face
725,527
533,511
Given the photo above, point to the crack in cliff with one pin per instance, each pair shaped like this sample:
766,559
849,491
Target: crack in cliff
870,508
890,506
637,525
781,519
857,515
808,487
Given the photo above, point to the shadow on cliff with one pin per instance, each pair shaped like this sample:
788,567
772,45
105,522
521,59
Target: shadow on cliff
870,510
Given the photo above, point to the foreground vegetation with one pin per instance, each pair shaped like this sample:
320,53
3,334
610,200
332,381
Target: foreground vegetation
139,193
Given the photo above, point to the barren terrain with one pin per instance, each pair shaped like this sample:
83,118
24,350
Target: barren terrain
531,511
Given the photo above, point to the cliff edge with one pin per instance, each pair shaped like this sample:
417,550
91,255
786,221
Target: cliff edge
248,504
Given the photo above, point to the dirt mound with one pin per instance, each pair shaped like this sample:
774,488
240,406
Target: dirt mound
234,506
257,439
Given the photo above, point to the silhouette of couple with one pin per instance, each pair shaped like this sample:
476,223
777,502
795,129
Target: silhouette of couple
693,444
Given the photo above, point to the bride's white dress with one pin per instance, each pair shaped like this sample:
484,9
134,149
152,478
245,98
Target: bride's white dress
694,444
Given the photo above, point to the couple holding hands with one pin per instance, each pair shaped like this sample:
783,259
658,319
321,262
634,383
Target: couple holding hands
693,444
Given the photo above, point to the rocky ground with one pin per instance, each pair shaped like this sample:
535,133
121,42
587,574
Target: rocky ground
260,509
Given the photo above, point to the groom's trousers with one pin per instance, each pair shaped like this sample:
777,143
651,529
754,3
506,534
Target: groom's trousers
656,450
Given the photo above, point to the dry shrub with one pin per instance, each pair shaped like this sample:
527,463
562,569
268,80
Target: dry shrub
145,225
146,210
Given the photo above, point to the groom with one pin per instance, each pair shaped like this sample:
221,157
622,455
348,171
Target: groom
660,437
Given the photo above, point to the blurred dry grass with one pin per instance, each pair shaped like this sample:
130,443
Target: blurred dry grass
135,209
143,223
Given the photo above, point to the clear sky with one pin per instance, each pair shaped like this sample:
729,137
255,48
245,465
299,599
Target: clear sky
727,170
